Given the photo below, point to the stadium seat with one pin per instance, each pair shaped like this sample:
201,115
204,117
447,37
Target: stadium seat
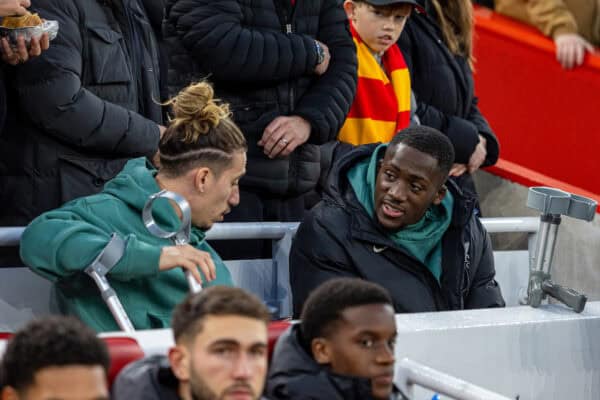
122,350
276,328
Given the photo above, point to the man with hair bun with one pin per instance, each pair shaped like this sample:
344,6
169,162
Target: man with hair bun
391,216
288,68
202,158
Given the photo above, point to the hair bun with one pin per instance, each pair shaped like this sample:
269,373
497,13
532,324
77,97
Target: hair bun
197,111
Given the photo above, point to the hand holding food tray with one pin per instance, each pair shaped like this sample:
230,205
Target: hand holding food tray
28,26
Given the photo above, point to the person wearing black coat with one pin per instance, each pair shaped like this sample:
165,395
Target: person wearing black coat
267,59
339,237
442,81
79,111
343,348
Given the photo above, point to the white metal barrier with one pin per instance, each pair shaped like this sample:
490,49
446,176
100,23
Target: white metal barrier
410,373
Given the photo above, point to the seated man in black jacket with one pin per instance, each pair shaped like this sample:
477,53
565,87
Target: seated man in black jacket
343,349
389,215
220,352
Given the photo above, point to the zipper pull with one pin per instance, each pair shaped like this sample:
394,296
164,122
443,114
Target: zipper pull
288,28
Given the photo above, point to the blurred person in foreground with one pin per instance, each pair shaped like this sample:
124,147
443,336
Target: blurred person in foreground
220,352
574,25
202,158
54,358
390,215
343,348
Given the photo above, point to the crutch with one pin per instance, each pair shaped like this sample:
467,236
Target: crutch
180,236
553,203
99,268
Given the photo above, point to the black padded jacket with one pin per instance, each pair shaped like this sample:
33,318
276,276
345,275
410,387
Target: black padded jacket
79,111
339,238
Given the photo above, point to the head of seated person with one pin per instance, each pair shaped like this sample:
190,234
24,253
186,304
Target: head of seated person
379,23
347,333
55,358
221,344
202,154
411,176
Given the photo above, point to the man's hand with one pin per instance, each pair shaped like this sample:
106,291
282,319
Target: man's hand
283,135
320,69
458,169
570,49
20,55
190,259
13,7
478,156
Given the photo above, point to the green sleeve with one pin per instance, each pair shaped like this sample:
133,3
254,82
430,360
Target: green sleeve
65,241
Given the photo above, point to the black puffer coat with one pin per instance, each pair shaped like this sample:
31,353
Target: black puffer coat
260,55
79,111
339,238
295,375
444,87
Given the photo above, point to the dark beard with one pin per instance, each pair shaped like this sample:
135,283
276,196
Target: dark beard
200,390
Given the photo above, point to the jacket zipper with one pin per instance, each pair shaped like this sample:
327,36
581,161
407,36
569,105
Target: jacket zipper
288,29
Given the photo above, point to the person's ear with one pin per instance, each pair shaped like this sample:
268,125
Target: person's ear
180,361
321,350
202,177
8,393
439,196
350,9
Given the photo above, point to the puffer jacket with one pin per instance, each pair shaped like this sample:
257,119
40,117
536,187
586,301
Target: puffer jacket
295,375
79,111
339,238
557,17
260,55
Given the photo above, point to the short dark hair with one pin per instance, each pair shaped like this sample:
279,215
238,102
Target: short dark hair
216,300
429,141
50,342
325,305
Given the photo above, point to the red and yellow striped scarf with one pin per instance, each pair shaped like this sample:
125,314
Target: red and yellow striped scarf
381,106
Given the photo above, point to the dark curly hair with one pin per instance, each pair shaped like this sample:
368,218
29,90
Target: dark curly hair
429,141
50,342
216,300
325,305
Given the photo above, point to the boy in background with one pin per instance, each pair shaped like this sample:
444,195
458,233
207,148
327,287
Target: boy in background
383,96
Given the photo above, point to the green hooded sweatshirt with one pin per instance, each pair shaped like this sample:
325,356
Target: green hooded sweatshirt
61,243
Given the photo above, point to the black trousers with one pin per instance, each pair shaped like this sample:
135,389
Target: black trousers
258,207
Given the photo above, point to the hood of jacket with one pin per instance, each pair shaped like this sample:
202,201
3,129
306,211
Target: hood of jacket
135,184
295,374
339,191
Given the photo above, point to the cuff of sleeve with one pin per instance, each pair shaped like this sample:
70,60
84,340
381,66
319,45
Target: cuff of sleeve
563,30
142,138
464,137
139,260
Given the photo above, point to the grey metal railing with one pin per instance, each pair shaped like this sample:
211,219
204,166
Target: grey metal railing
11,236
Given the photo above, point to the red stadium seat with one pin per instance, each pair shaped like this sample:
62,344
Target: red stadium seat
122,350
276,328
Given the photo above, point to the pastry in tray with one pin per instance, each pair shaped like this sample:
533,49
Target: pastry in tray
28,25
